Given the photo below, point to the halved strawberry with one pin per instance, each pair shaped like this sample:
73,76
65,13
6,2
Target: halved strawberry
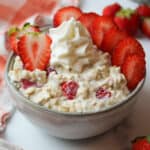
65,14
100,26
111,10
145,26
143,10
27,28
34,50
127,20
2,69
134,70
87,19
111,39
126,47
11,39
13,34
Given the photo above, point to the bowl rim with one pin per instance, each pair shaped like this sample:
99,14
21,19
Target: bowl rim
42,108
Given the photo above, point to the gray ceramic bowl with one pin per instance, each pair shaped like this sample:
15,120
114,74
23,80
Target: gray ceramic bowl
71,125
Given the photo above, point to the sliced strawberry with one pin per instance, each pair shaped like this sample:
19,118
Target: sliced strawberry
27,28
65,14
141,143
100,26
69,89
126,47
27,83
34,50
102,93
127,20
145,27
13,34
2,68
87,19
111,10
143,10
111,39
11,39
134,70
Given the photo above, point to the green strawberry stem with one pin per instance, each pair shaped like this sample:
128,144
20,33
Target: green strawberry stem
148,138
26,25
125,13
13,30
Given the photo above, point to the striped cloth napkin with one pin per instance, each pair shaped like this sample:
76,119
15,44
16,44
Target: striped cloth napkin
17,11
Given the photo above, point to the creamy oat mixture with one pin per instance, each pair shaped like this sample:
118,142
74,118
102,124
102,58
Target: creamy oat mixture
73,58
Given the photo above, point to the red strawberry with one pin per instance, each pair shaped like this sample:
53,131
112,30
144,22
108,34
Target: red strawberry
26,83
111,39
12,36
34,50
142,143
134,70
102,93
127,20
111,10
69,89
2,69
11,39
65,14
100,26
145,26
143,10
124,48
87,19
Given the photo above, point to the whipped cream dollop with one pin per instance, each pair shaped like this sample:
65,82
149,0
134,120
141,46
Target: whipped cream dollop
72,47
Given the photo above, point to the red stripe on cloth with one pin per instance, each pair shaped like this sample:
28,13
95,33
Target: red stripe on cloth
32,7
6,12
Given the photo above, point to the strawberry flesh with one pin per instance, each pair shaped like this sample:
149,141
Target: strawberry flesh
145,27
143,10
87,19
134,70
111,40
65,14
126,47
100,26
11,39
2,69
69,89
13,35
111,10
27,84
102,93
34,50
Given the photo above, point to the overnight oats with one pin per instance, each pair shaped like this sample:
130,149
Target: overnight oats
66,71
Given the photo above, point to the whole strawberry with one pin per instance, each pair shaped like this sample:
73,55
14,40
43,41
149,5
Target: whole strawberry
143,10
111,10
127,20
142,143
145,26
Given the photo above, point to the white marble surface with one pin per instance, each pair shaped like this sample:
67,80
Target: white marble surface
21,132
